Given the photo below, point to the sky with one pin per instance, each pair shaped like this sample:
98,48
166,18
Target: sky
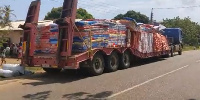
108,9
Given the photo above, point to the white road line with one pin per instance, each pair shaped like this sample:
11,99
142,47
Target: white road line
131,88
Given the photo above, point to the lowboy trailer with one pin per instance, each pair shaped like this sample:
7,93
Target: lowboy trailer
95,60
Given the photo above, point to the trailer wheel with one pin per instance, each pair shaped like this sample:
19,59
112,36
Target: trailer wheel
125,60
112,62
52,70
97,65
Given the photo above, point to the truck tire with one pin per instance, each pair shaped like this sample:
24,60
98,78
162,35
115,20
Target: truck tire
97,65
172,51
112,62
52,70
125,60
166,56
180,52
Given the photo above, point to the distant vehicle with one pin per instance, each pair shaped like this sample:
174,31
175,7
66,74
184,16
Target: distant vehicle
174,36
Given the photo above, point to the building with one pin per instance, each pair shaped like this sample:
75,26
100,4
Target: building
14,34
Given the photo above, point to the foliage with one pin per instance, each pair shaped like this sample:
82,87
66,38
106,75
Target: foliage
191,30
55,13
135,15
5,13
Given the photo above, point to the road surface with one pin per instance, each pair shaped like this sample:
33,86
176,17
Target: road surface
176,78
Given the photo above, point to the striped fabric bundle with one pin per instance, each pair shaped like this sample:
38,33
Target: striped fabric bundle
46,39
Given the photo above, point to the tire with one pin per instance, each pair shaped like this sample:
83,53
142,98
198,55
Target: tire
180,52
172,51
125,60
97,65
52,70
166,56
112,62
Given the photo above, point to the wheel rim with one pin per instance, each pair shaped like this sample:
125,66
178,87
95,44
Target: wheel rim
126,59
113,61
97,64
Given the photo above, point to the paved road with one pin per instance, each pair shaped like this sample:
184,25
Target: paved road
174,78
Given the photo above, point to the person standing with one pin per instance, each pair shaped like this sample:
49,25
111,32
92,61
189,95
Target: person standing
15,51
19,53
3,56
11,49
8,50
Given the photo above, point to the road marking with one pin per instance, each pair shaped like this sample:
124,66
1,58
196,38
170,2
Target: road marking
131,88
198,61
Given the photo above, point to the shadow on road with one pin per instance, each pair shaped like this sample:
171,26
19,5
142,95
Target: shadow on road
87,96
38,96
68,76
147,61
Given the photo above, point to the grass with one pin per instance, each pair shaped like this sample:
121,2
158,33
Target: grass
188,48
34,69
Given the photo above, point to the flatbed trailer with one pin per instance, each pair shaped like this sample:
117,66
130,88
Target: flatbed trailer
96,60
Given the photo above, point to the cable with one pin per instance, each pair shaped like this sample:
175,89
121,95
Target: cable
179,7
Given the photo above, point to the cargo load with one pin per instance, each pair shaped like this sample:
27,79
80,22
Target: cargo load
46,39
103,34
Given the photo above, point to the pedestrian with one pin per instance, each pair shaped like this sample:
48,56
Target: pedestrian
3,56
15,51
8,50
11,49
19,53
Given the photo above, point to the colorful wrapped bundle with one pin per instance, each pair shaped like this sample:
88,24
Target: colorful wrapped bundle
150,42
81,46
157,42
129,24
44,29
143,40
46,39
117,40
165,43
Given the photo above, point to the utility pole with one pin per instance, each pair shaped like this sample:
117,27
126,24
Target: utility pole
151,20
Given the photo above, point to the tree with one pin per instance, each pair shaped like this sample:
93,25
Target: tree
191,30
55,13
5,13
135,15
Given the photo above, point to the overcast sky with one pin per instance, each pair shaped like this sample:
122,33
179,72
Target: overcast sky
107,9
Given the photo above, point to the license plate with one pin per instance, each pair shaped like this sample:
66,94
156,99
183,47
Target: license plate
45,65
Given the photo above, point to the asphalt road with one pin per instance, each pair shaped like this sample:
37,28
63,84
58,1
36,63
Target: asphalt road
176,78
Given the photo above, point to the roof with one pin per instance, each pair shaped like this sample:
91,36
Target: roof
14,26
17,23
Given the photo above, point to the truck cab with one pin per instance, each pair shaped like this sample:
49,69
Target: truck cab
175,37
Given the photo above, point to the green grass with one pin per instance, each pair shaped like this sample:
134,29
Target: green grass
34,69
188,48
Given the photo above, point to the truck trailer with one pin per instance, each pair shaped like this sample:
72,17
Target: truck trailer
95,44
